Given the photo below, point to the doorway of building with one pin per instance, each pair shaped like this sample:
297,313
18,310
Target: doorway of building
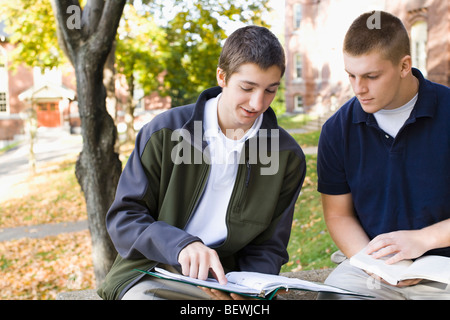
48,114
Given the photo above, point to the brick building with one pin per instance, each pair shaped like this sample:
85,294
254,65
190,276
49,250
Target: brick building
316,81
52,94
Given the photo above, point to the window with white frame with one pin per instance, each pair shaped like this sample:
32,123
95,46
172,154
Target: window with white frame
3,81
298,66
297,15
419,38
298,104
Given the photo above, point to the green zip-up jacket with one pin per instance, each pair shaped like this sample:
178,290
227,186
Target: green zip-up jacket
164,180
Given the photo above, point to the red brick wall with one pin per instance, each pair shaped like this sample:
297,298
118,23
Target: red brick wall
320,37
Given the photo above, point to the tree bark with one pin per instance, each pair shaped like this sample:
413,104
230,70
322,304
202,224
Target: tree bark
98,167
109,78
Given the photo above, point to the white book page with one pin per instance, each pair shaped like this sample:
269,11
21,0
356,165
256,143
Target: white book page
269,282
258,280
255,280
391,273
435,268
210,283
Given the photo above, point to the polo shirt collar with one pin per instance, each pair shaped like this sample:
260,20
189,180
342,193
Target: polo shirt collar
425,105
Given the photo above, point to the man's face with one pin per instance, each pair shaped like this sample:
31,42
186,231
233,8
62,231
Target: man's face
246,95
375,81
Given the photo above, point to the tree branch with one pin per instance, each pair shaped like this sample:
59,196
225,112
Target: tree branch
70,38
107,26
92,13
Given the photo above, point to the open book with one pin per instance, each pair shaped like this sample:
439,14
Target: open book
253,284
434,268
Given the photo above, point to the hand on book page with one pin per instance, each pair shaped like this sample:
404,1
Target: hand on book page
197,260
397,246
405,272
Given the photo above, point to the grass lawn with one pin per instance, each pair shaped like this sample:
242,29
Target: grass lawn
40,268
293,122
310,245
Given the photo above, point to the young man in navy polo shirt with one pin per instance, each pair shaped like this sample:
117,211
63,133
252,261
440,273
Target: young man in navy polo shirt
384,162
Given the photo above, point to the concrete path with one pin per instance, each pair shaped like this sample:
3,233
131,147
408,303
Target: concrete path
43,230
52,144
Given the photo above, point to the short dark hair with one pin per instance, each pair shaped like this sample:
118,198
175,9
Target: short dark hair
390,37
251,44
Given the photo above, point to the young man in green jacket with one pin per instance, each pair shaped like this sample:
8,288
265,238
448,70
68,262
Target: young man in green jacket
210,187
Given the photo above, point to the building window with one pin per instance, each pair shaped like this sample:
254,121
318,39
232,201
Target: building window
297,16
3,105
298,104
3,81
319,78
298,66
419,38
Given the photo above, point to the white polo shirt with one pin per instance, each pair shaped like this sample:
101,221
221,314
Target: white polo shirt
208,220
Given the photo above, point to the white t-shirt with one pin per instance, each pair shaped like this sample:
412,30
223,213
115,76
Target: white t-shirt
208,220
391,121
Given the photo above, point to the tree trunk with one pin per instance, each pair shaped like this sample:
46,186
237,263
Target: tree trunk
98,167
109,77
109,80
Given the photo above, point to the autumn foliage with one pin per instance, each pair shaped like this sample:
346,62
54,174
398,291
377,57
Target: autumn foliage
40,268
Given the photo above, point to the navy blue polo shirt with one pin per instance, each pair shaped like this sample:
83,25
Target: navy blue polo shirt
396,184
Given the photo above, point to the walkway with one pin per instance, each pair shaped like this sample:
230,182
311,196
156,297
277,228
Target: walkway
52,145
43,230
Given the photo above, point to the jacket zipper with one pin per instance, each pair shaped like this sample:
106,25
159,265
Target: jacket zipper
199,195
236,205
249,170
243,193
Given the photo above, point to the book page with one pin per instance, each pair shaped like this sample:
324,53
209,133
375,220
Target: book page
260,281
391,273
263,283
270,282
435,268
209,283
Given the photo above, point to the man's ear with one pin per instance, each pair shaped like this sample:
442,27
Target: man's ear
221,77
405,65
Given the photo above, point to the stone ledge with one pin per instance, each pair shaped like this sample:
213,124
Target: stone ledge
90,294
309,275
